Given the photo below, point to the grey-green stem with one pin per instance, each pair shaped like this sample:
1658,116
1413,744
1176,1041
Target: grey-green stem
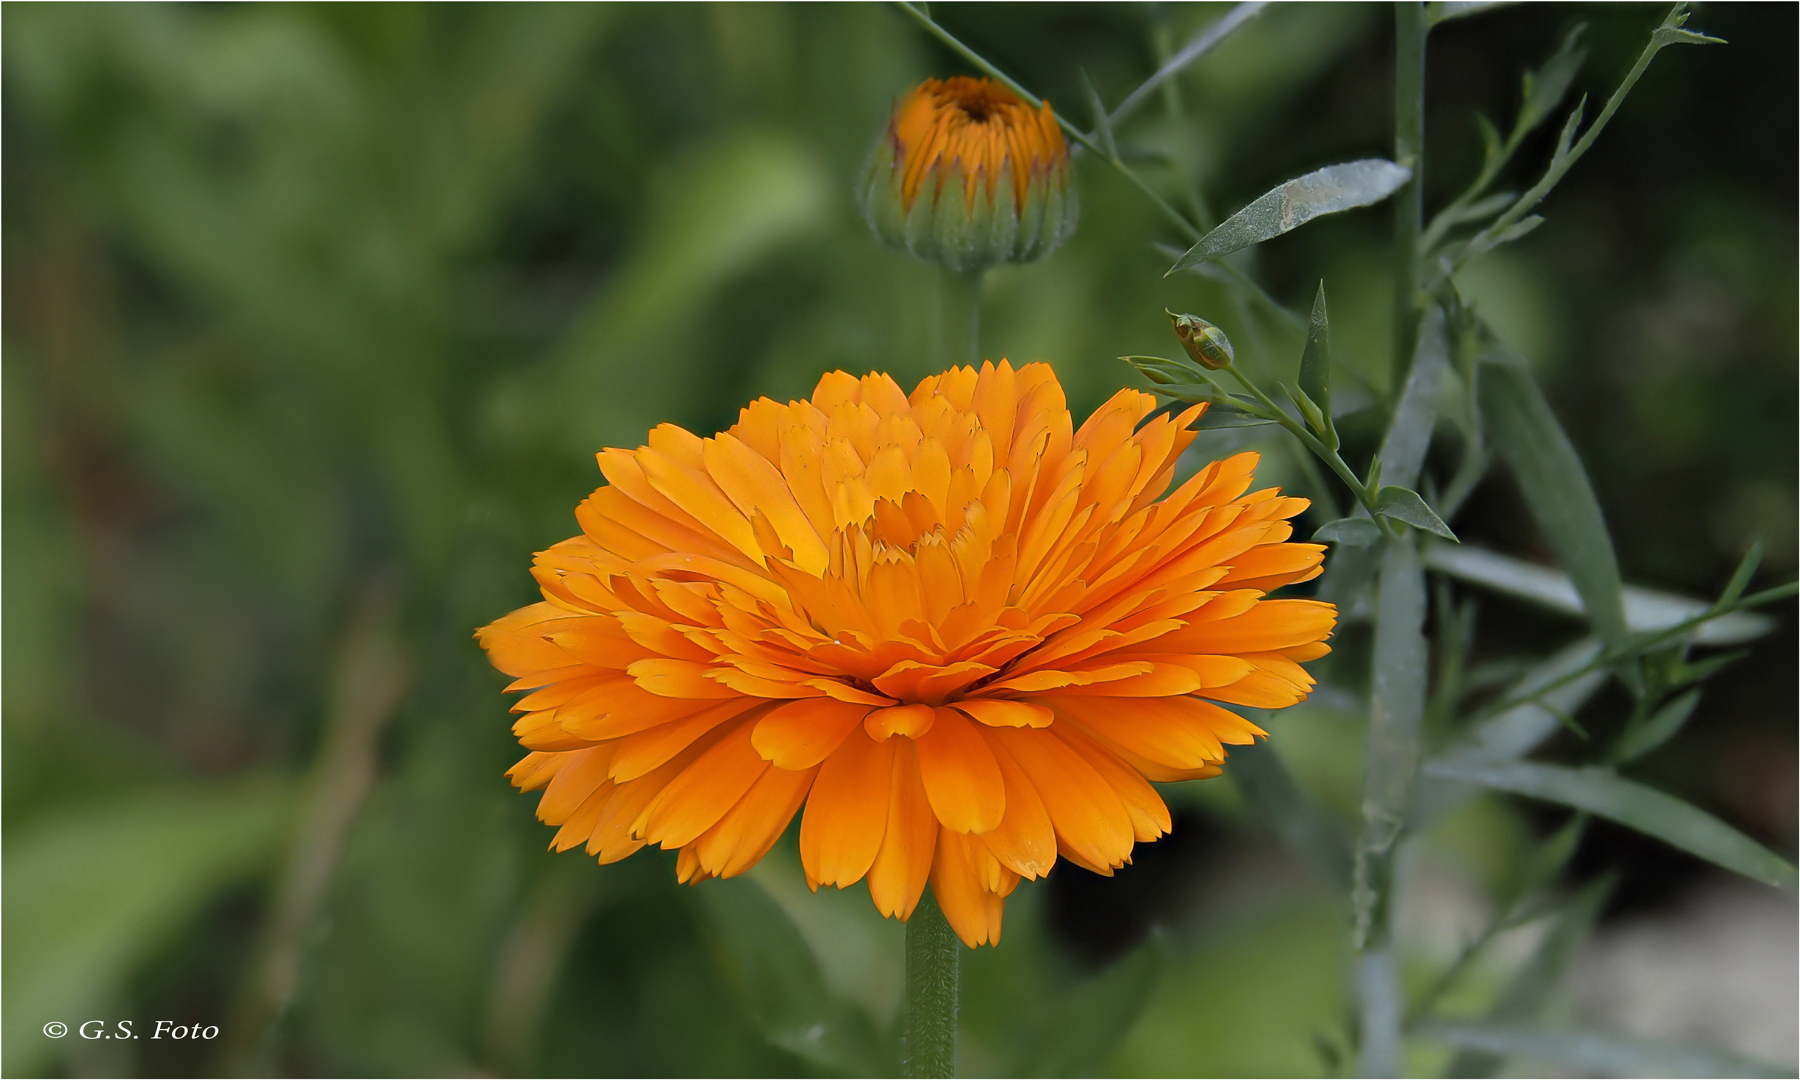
959,317
1409,202
928,1018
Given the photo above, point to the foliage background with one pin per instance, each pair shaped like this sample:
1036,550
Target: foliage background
314,316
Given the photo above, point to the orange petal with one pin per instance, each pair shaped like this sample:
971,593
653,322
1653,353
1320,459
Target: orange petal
898,876
1024,841
909,720
847,811
1149,814
1001,712
748,830
1090,820
800,734
973,911
961,777
696,799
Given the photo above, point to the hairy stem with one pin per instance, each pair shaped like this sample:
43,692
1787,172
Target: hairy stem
928,1020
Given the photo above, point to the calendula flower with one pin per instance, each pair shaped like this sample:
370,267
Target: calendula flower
969,174
963,635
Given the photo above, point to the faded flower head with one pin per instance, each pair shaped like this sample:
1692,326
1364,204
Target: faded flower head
962,634
968,174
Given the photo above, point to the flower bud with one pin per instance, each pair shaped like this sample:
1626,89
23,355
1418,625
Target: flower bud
968,174
1206,343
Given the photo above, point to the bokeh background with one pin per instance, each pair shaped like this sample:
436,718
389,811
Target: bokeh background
315,315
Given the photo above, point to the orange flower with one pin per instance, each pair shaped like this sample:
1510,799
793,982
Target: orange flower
960,633
969,174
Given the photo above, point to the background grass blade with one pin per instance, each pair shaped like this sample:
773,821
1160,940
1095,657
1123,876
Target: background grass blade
1614,1055
1556,487
1604,792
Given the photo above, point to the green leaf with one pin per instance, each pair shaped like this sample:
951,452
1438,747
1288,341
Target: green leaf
1645,609
91,892
1266,784
1493,147
1740,578
1352,532
1166,372
1544,88
1404,504
1481,208
1221,414
1662,726
1556,489
1293,204
1102,124
1315,361
1671,32
768,964
1604,792
1592,1051
1085,1026
1484,243
1525,995
1439,11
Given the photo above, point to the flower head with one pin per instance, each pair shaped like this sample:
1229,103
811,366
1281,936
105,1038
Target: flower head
969,174
960,633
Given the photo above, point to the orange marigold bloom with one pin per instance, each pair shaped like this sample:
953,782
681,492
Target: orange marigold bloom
960,633
970,174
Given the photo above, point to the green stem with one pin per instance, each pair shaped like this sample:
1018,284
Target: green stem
1409,150
1324,453
959,317
928,1020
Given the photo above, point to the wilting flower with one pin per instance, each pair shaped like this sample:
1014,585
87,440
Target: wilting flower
969,174
962,634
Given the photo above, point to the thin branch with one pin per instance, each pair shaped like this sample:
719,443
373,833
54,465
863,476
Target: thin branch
1199,45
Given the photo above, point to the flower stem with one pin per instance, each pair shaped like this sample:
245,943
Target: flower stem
928,1020
959,317
1409,150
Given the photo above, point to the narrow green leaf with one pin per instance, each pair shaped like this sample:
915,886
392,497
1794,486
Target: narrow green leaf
1740,578
1524,998
771,969
1315,361
1484,243
1545,87
1482,208
1267,785
1662,726
1225,415
1645,609
1102,124
1556,489
1598,1052
1439,11
1671,32
1353,532
91,891
1493,147
1084,1027
1604,792
1404,504
1293,204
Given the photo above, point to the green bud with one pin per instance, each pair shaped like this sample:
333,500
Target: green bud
1206,343
968,174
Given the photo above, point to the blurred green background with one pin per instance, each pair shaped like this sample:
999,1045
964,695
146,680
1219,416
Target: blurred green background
315,315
